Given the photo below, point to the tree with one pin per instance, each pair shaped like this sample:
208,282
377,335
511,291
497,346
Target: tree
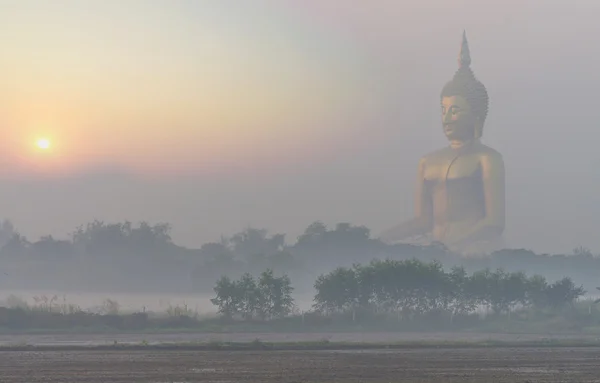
270,297
17,246
514,287
536,295
583,252
410,286
148,237
251,296
254,241
500,290
344,235
47,246
98,236
463,297
275,294
563,293
229,297
312,234
337,291
110,238
7,231
417,288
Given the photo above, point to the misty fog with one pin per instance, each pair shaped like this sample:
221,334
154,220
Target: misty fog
538,60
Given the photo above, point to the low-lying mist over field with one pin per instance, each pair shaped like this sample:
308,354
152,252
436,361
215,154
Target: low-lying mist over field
141,268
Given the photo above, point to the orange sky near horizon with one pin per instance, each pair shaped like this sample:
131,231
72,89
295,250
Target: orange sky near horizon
168,87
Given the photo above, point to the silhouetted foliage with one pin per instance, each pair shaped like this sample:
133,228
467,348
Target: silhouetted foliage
339,290
412,287
100,238
123,256
253,241
17,246
266,298
563,293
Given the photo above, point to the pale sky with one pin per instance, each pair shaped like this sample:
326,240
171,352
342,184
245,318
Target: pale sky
215,115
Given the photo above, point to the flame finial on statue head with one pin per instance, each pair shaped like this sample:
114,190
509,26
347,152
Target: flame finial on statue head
465,84
464,57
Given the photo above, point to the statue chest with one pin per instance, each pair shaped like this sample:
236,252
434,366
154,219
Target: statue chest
455,186
449,168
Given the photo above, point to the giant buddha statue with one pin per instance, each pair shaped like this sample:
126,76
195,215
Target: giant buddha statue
460,188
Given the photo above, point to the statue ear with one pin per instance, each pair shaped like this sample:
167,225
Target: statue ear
478,127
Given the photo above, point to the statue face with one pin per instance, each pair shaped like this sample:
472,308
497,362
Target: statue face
457,119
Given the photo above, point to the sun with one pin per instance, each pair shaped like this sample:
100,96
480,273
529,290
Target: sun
43,144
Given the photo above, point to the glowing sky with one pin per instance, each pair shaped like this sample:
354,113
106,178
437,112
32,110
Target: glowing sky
168,85
217,114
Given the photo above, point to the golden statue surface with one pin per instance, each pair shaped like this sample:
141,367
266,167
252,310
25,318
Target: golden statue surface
460,188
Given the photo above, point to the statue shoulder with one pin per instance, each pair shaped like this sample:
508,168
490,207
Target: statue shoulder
434,160
490,154
437,154
491,160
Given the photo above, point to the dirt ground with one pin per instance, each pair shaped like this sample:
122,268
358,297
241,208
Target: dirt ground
374,337
425,365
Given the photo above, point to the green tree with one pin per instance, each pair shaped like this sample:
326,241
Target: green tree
229,298
463,297
563,293
337,291
251,297
537,296
505,290
313,234
7,231
276,299
47,246
98,237
17,246
254,241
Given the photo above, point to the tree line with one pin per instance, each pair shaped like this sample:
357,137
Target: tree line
147,251
266,297
343,239
408,288
412,287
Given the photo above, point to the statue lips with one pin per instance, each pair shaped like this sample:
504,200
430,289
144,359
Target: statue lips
449,128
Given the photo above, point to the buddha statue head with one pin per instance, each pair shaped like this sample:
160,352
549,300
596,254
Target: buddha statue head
464,101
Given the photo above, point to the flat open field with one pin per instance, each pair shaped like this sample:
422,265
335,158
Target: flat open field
362,337
418,365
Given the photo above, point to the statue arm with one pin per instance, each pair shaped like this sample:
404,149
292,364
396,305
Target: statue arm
492,166
422,222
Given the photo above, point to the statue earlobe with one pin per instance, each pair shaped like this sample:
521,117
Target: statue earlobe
478,128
